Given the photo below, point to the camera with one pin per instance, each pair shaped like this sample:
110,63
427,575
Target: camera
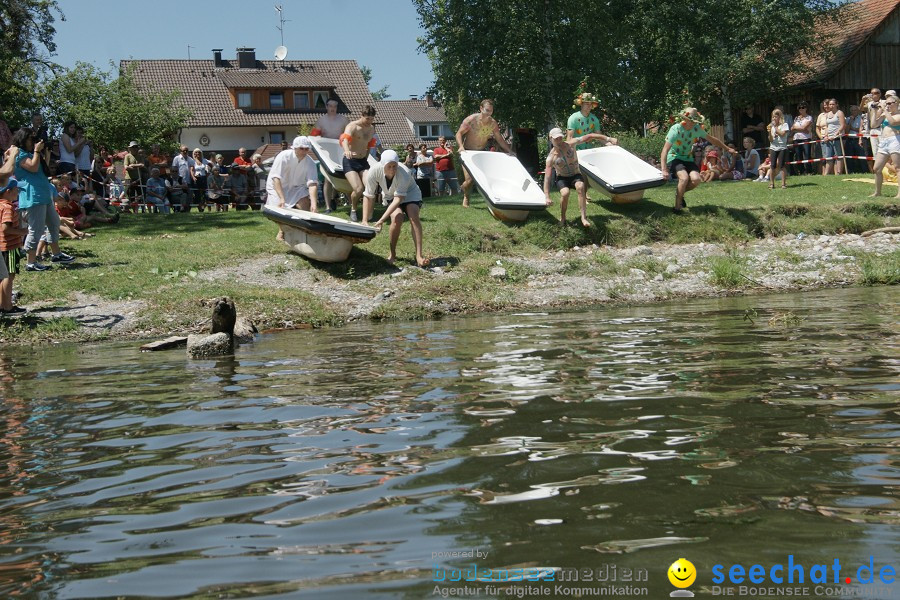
873,105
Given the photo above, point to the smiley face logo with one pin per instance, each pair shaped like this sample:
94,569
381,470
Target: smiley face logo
682,573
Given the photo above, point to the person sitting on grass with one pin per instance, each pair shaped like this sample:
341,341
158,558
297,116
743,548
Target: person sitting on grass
764,169
564,162
732,165
710,170
750,159
405,198
676,155
12,237
71,217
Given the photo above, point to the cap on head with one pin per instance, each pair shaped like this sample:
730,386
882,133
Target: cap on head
301,141
133,144
555,133
389,156
11,184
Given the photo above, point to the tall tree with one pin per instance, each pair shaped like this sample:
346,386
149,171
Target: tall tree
112,110
641,55
26,48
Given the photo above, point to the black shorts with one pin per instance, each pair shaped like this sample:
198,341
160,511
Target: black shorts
405,205
688,166
567,181
11,259
357,165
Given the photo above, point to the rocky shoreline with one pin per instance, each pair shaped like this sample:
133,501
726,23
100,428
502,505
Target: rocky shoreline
566,278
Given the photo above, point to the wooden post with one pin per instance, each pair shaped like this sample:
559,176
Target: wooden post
843,154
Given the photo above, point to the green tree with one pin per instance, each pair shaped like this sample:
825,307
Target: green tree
26,48
113,110
379,94
642,55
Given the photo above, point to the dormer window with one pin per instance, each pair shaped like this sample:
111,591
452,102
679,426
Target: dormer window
244,99
301,100
320,100
276,99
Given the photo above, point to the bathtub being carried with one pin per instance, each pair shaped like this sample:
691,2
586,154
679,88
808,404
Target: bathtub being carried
330,155
510,192
317,236
618,173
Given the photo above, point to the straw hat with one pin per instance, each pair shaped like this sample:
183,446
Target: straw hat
586,97
692,114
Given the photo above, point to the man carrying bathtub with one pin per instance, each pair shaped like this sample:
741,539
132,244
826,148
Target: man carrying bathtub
473,134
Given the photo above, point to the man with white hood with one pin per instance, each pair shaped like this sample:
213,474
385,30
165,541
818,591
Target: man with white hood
293,179
405,200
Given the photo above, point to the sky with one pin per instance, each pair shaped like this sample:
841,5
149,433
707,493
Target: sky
380,35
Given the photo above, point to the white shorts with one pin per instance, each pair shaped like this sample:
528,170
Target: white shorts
889,144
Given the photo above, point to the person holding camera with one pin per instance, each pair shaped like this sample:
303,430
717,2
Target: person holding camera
871,107
887,116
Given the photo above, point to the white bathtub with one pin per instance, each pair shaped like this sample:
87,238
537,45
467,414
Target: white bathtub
618,173
511,193
331,160
321,237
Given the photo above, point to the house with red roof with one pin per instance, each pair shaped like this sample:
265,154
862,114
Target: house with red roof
246,102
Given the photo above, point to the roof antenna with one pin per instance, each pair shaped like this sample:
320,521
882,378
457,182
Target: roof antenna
189,51
279,8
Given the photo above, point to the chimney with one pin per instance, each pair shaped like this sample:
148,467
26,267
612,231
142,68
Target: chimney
217,57
246,58
429,100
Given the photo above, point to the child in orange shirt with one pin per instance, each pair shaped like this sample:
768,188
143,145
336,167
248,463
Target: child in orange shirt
12,237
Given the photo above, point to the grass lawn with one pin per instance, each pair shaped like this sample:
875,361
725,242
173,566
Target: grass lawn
156,258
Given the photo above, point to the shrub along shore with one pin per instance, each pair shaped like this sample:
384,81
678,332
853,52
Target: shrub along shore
154,274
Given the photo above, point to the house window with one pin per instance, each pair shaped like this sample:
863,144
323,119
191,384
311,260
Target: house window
429,131
320,99
244,99
276,99
276,137
301,101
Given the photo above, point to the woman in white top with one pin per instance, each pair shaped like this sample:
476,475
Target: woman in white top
887,116
405,197
68,149
778,132
199,172
802,130
835,123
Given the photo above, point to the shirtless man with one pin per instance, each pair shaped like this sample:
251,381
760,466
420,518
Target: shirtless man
474,134
563,160
330,125
356,140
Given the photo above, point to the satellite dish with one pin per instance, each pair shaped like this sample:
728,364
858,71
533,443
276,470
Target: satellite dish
280,53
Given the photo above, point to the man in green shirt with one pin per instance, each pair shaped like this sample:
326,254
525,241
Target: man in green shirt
677,153
584,123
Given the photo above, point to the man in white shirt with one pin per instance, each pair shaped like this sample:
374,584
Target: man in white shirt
330,125
293,179
405,198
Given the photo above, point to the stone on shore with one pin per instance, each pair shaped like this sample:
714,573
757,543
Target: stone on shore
206,345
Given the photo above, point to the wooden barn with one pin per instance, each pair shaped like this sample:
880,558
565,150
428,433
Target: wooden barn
867,55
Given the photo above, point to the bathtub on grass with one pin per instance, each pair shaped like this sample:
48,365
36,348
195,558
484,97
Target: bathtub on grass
320,237
510,192
618,173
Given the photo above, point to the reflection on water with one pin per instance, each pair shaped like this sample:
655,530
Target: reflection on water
353,462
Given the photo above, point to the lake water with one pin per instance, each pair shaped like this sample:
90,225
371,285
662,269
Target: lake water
353,462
